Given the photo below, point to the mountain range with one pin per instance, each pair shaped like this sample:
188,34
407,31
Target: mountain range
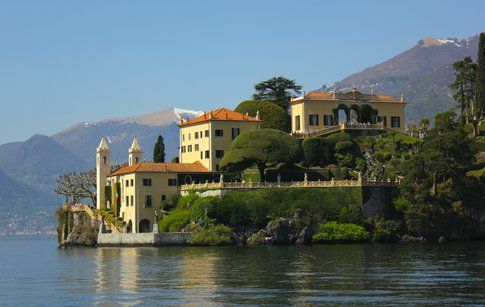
28,170
422,74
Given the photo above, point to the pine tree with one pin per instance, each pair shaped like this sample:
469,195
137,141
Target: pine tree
159,151
465,87
480,100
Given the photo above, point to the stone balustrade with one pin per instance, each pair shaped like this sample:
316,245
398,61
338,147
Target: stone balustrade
344,126
294,184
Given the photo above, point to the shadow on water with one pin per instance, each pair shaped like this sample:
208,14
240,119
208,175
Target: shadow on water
410,274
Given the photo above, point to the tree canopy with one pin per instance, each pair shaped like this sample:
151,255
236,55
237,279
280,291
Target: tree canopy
465,86
480,99
272,115
278,90
264,148
159,151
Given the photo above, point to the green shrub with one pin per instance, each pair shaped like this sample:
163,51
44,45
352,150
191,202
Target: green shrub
344,146
345,160
338,137
313,150
382,155
175,220
215,235
200,207
386,231
251,175
339,173
350,214
186,201
252,210
401,204
334,232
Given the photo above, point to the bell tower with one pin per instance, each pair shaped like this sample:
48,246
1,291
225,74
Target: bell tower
102,172
134,153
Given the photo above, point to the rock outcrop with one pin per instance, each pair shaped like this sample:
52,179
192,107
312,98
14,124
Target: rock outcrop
296,230
76,229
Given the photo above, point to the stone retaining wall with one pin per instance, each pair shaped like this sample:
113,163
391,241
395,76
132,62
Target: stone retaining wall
143,239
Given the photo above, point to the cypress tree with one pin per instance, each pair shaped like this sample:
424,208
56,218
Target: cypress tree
480,100
159,151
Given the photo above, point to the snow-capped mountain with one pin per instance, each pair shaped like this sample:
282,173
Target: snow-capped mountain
82,139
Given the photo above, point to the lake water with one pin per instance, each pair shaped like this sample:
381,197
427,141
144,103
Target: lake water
33,271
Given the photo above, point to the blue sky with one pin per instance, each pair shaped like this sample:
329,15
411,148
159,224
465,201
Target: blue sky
63,62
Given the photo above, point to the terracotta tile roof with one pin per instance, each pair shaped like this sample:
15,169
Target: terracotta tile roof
220,114
319,95
150,167
350,95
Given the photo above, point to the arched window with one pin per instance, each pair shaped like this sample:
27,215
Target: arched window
188,179
144,226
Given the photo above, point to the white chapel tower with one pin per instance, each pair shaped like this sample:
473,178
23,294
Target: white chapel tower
134,153
102,171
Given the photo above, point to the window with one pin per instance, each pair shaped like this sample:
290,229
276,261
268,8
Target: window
104,160
132,182
207,133
183,137
189,136
131,200
189,148
201,155
200,133
235,132
297,123
207,154
182,149
395,122
172,182
127,183
327,120
219,153
196,147
382,119
163,198
313,119
219,132
148,200
127,201
147,182
196,135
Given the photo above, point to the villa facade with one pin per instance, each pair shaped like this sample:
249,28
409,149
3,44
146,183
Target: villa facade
137,192
206,138
317,111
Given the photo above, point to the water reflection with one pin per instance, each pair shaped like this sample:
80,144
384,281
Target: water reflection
338,274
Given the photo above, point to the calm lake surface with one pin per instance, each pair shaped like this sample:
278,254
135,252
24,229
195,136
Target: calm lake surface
33,271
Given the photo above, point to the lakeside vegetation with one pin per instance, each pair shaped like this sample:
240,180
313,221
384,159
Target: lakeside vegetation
441,169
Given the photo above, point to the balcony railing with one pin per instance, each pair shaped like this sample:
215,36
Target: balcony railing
293,184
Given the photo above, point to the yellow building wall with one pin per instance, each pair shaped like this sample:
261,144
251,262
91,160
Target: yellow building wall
304,108
139,210
212,143
187,138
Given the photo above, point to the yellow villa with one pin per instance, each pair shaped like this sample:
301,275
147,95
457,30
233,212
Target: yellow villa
136,192
318,111
207,137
